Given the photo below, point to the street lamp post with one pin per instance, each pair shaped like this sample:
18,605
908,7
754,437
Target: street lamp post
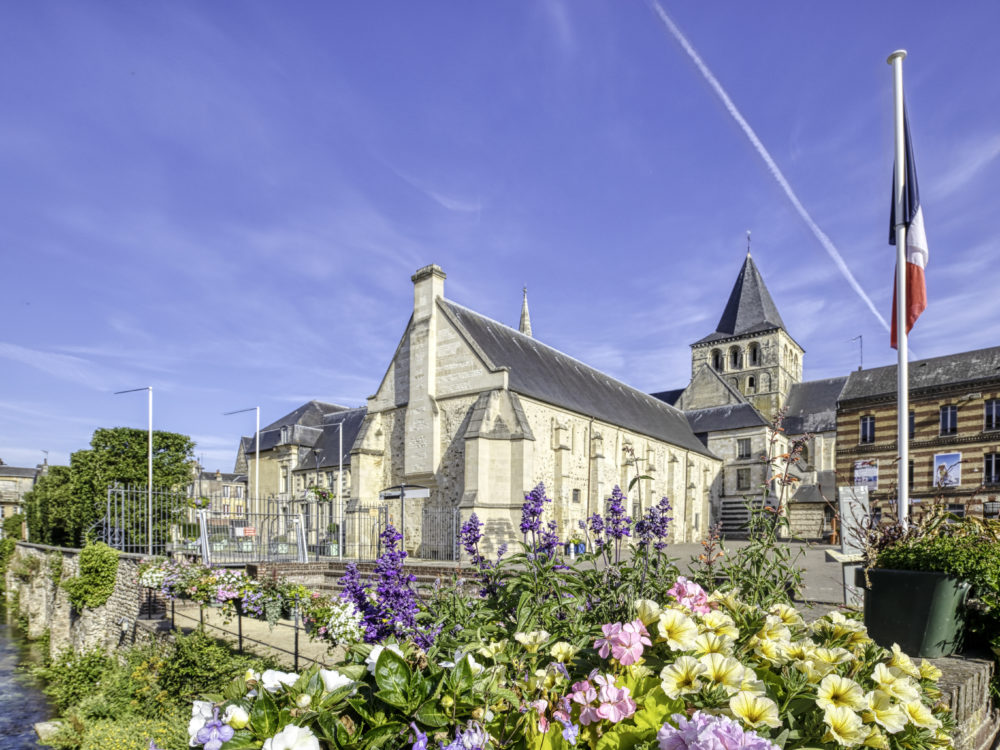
256,460
149,479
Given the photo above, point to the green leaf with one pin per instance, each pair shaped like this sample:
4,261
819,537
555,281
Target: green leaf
430,715
264,715
241,740
380,735
655,710
393,698
392,673
355,671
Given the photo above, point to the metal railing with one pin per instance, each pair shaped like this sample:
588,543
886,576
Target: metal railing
231,531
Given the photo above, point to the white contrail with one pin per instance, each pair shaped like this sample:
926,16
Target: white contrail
820,234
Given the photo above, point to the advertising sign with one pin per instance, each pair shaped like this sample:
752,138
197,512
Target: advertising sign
866,474
947,469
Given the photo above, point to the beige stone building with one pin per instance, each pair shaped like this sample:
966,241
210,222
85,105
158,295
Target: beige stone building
479,413
744,374
15,481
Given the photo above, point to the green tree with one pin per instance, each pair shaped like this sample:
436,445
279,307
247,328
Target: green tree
49,507
62,509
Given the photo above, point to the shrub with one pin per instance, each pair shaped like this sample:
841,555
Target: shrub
135,734
12,526
96,580
71,677
7,547
199,664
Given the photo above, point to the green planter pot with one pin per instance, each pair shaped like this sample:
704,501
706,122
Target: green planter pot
924,612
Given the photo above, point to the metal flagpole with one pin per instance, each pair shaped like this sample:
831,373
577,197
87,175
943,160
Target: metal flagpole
149,487
340,490
902,369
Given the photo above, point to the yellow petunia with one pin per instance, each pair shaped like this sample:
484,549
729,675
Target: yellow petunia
712,643
882,711
563,652
719,623
774,629
833,656
893,681
928,671
768,650
531,640
491,649
904,662
677,629
921,715
683,676
788,615
876,739
723,670
839,692
647,610
844,727
755,710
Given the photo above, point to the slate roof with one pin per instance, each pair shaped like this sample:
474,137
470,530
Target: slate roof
812,406
329,439
223,476
669,397
750,308
17,471
964,367
546,374
309,414
729,417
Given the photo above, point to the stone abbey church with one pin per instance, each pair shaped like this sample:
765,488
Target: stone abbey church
479,413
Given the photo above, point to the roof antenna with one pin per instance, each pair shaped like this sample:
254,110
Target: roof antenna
861,348
748,243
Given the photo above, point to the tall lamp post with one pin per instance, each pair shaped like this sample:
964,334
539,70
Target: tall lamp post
256,460
149,480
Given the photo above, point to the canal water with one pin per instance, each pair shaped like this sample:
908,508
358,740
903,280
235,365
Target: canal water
22,702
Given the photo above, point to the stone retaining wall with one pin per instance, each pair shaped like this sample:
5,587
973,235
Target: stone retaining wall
46,605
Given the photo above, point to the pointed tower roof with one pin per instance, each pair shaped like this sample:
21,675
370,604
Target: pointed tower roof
525,325
750,308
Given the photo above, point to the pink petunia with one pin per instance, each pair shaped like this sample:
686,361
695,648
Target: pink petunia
690,595
583,693
603,645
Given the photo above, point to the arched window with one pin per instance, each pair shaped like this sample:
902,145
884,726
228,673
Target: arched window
754,354
751,384
718,362
735,358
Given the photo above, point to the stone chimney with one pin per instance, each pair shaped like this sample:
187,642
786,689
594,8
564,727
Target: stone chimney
422,453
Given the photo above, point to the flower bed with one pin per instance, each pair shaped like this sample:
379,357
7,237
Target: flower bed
548,655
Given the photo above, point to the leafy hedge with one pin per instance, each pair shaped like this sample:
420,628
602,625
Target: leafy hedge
95,582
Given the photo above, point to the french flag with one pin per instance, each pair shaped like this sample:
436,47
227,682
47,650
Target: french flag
916,240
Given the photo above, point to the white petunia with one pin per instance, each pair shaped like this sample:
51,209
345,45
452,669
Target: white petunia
292,737
273,679
334,680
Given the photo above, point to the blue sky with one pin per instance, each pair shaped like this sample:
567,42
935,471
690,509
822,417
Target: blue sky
226,200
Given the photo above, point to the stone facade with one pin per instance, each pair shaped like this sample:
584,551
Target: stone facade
15,481
46,605
451,416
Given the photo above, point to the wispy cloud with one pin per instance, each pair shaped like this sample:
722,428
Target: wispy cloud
449,202
772,166
62,366
558,16
969,163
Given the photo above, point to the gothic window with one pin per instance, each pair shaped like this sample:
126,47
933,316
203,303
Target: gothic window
751,384
754,354
735,358
718,361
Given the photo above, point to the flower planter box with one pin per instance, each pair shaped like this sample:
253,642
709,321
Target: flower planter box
922,611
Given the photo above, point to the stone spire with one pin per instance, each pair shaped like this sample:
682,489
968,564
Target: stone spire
525,326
